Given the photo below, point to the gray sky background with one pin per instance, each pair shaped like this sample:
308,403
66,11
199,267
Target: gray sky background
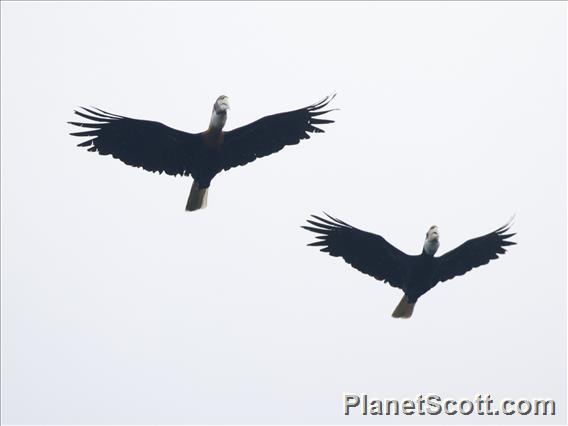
119,307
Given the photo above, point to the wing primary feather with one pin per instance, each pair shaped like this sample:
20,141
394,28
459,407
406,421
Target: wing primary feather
320,121
322,225
319,112
87,133
108,113
317,243
316,230
322,103
88,117
338,220
98,114
87,125
334,224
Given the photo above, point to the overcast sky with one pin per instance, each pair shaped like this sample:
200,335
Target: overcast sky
120,307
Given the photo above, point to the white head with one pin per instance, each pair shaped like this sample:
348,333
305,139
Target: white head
432,242
221,105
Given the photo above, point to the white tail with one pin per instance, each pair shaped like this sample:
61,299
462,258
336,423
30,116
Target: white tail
197,198
404,309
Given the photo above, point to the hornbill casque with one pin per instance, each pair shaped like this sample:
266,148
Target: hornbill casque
158,148
414,275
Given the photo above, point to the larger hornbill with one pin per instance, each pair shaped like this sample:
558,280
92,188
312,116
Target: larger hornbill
158,148
414,275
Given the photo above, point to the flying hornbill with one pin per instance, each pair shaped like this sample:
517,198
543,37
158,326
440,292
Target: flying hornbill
414,275
159,148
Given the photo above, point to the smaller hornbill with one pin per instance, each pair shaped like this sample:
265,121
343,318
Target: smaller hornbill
414,275
158,148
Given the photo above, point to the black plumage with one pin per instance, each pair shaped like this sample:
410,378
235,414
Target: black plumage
156,147
272,133
413,274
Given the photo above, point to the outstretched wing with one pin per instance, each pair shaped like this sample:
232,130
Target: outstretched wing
272,133
366,252
153,146
473,253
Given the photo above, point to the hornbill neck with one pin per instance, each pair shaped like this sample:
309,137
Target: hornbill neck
218,120
430,247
